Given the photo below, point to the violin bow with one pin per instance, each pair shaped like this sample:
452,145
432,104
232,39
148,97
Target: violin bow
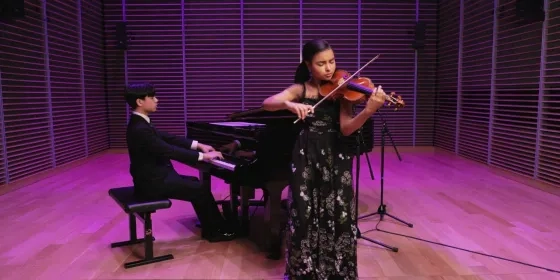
340,85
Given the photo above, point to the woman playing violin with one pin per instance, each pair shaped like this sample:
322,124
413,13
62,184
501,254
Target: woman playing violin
322,227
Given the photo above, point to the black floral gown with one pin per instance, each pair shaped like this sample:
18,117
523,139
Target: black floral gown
321,233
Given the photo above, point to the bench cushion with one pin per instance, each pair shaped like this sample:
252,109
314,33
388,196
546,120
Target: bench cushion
132,203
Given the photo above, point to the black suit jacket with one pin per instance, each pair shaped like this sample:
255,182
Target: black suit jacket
151,151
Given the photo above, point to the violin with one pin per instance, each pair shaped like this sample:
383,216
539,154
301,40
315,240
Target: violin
355,90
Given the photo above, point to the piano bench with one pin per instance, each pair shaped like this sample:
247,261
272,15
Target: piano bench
141,208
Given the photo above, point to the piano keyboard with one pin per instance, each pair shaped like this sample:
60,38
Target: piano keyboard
223,164
238,124
229,162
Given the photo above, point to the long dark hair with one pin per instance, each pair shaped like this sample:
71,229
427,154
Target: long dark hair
310,49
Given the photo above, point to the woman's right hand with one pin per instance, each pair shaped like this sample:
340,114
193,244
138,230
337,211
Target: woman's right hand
302,110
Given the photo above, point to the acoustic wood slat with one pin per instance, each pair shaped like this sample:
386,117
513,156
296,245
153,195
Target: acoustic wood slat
115,73
3,160
94,76
446,100
155,55
476,79
426,81
65,80
517,86
390,35
25,94
549,155
212,59
269,58
552,74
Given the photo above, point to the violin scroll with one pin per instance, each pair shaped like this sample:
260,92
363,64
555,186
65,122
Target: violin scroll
397,101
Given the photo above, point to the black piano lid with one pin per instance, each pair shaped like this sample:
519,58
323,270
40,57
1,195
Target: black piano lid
260,113
284,118
280,122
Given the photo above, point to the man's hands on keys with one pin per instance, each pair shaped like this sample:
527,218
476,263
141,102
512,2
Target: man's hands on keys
205,148
229,148
212,155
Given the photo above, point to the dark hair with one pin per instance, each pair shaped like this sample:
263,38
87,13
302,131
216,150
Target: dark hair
138,91
310,49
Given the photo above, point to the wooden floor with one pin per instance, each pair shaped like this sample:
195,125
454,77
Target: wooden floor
60,227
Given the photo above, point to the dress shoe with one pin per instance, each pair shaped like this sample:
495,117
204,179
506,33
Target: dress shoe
218,236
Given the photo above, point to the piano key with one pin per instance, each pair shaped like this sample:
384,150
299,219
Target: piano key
223,164
238,124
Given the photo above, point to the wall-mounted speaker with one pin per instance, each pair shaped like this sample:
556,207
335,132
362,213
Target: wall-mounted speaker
419,35
12,9
122,35
530,10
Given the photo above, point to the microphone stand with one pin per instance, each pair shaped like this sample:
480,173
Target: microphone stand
382,209
385,129
359,233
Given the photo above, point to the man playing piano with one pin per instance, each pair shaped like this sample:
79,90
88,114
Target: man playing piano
151,151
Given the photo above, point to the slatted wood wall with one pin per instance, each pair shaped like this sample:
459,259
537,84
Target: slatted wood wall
52,86
115,63
447,67
498,86
485,86
238,53
548,154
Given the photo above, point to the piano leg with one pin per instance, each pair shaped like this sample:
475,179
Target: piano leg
233,213
273,218
246,194
206,182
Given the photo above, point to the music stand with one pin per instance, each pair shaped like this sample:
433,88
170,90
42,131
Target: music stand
382,209
360,142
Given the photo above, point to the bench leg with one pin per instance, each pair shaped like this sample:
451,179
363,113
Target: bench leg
132,231
148,241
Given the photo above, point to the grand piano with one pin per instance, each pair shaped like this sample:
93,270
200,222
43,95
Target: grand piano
270,137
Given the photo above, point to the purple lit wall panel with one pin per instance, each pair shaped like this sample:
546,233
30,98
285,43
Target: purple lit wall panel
548,154
25,95
65,81
388,29
423,132
482,80
213,68
476,79
114,71
156,55
447,67
3,160
239,53
94,76
48,67
497,87
271,38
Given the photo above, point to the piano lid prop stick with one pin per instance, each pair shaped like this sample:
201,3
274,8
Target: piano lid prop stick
340,85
